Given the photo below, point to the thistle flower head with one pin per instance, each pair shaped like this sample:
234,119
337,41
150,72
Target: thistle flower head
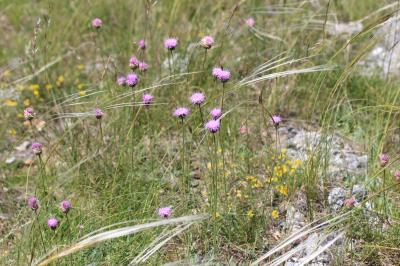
384,159
147,99
37,148
216,71
132,79
121,80
197,98
276,120
207,42
52,223
97,23
224,75
216,113
65,206
213,126
98,113
143,66
33,203
243,130
170,43
142,44
133,63
350,202
397,176
29,113
181,112
250,22
165,212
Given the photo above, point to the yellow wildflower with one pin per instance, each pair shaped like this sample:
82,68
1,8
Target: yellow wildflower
82,93
34,87
80,66
36,93
283,189
60,80
10,103
12,132
275,214
217,215
271,180
27,102
250,214
48,86
80,86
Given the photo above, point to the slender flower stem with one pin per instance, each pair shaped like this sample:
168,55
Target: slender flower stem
201,115
384,194
205,58
42,174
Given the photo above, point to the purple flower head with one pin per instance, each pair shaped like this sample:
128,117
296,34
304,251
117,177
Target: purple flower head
181,112
350,202
33,203
165,212
142,44
384,159
276,120
37,148
207,42
98,113
133,63
97,23
216,113
224,75
250,22
197,98
213,126
29,113
143,66
147,99
170,43
132,79
121,80
397,176
65,206
52,223
216,71
243,130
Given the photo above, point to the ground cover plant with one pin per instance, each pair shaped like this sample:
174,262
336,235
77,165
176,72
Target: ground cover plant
232,132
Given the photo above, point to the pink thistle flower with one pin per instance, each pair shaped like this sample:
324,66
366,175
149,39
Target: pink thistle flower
384,159
65,206
213,126
350,202
197,98
207,42
170,43
29,113
165,212
98,113
221,74
243,130
276,120
52,223
132,79
33,203
142,44
147,99
250,22
397,176
143,66
133,63
216,113
97,23
181,112
216,71
121,80
37,148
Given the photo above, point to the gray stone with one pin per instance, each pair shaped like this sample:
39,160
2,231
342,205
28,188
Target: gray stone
336,198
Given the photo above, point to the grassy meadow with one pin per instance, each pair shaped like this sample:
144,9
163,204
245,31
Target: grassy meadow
225,187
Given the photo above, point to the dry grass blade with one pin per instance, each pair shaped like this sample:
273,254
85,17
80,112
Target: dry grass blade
305,230
115,233
321,249
158,243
